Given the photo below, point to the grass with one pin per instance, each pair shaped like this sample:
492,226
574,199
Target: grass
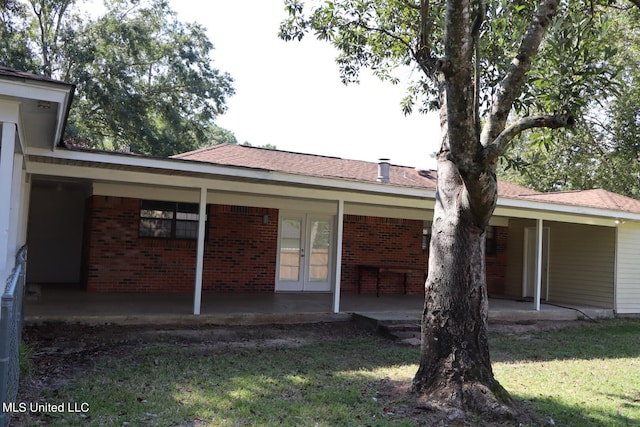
24,359
578,376
588,375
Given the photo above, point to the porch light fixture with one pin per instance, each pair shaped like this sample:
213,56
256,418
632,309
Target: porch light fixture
44,105
265,219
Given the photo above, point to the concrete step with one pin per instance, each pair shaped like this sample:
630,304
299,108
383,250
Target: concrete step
405,333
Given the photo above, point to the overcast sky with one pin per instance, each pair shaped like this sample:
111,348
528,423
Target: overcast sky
289,94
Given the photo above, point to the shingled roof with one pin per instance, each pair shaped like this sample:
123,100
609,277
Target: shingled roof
22,75
323,166
306,164
597,198
405,176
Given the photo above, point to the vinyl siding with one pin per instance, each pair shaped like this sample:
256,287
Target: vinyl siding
582,264
628,269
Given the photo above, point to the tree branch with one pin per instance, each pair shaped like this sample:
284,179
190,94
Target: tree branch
636,2
511,86
475,34
500,143
423,53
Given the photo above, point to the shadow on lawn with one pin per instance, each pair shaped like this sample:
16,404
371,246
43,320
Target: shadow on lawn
556,413
606,339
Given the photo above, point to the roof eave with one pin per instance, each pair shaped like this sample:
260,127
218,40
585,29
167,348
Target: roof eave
196,167
530,205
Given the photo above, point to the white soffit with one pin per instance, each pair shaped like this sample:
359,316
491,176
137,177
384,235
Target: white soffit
130,168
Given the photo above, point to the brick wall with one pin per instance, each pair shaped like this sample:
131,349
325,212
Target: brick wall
497,263
240,251
382,241
119,261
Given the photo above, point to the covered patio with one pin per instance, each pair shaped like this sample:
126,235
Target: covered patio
73,304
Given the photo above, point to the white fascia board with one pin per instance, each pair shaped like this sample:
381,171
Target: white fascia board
42,91
124,160
37,90
505,206
536,209
130,182
10,113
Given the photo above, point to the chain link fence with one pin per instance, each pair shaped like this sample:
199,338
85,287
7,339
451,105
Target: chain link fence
11,320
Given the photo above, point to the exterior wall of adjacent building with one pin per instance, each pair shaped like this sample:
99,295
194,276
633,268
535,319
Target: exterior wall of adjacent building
515,243
241,251
55,234
628,269
581,262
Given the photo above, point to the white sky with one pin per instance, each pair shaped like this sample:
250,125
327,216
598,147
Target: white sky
289,93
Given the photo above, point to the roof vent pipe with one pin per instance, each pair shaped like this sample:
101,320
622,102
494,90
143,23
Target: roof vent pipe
383,170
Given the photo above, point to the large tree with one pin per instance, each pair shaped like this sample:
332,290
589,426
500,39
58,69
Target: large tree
145,81
484,65
604,149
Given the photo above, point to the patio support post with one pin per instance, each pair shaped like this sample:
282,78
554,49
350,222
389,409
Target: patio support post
16,213
197,296
338,269
538,277
7,149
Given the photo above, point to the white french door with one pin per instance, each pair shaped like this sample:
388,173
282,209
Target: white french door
304,253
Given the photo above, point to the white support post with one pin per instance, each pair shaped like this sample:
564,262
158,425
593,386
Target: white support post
338,269
538,277
15,215
197,296
25,201
7,149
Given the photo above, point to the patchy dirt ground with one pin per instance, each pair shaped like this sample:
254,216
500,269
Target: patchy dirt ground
61,351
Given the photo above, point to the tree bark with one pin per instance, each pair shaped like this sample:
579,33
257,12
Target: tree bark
455,368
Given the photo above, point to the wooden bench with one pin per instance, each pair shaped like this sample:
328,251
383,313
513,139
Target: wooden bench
386,268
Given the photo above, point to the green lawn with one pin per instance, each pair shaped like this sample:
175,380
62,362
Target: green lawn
587,375
579,376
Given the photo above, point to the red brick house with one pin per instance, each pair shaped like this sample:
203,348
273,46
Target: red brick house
235,219
122,255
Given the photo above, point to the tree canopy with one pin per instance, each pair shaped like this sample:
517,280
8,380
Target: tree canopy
604,149
494,70
145,81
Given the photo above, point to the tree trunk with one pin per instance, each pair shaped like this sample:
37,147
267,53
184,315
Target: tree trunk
455,368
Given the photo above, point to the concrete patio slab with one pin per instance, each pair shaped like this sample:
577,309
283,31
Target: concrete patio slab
73,304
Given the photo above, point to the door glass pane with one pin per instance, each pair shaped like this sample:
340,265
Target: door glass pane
319,259
290,242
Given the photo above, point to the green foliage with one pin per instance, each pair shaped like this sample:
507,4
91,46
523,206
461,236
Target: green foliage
25,353
381,35
604,150
14,42
573,66
145,80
